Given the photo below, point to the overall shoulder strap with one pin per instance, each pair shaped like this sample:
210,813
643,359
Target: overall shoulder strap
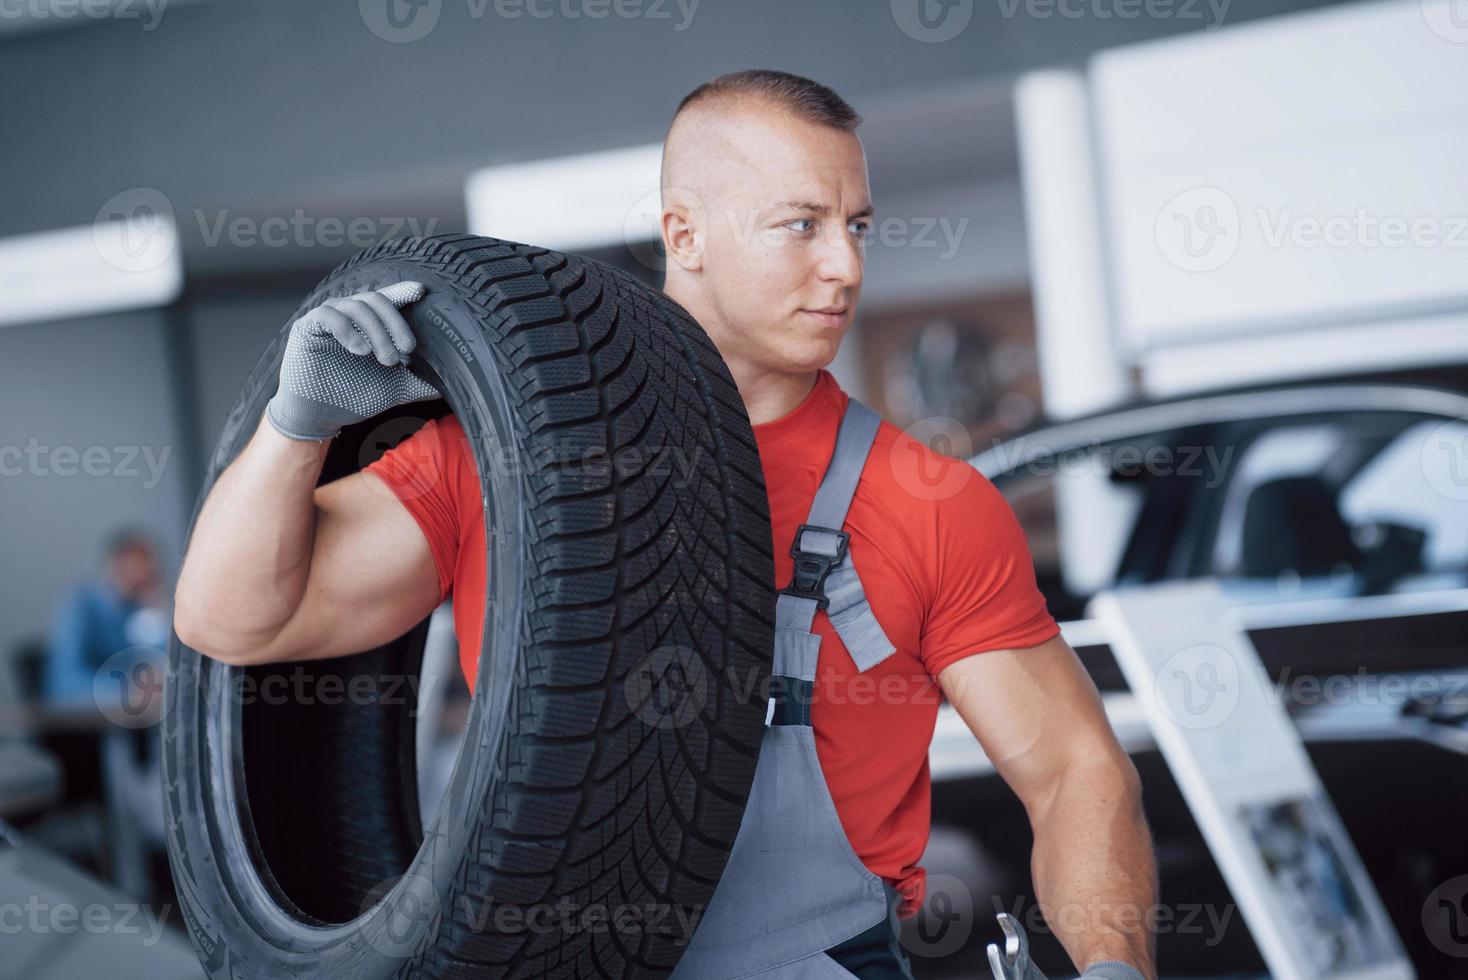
824,576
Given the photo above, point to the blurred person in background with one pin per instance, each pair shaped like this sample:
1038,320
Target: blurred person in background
120,607
105,656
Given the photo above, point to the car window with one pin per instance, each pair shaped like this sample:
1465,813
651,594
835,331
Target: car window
1418,482
1333,506
1361,504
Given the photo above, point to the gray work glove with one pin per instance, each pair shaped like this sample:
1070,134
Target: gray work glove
345,361
1111,970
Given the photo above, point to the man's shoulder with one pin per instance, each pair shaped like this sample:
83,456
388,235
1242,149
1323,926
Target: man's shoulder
913,471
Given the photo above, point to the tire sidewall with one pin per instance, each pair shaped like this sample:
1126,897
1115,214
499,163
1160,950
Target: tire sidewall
237,925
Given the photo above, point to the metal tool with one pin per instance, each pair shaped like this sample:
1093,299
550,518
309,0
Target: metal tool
1014,963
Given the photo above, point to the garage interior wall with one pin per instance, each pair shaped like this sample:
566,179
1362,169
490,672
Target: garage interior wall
247,110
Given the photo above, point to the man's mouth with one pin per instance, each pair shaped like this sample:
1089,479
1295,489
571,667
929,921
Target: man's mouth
830,316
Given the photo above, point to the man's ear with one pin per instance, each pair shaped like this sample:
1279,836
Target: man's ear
683,238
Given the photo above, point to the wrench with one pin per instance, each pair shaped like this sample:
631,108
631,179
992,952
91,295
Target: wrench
1014,963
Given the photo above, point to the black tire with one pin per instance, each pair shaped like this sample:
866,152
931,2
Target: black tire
613,733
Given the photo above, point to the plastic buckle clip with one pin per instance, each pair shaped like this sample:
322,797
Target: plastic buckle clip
812,567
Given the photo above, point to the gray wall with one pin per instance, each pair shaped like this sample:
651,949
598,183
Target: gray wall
87,441
251,110
239,104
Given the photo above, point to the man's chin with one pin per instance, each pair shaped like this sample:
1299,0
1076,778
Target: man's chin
810,357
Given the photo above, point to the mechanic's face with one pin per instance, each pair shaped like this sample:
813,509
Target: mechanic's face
135,570
784,232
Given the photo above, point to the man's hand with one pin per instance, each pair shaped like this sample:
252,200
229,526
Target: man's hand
327,378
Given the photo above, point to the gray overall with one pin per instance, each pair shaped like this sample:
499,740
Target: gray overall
793,887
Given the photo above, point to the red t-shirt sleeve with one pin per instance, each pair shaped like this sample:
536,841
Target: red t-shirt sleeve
984,592
422,473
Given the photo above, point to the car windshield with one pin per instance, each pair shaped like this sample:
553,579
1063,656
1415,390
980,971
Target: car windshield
1341,504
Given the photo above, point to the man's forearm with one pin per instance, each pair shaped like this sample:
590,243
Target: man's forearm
250,554
1094,870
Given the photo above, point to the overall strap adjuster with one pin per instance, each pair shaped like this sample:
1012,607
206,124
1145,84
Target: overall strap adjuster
812,567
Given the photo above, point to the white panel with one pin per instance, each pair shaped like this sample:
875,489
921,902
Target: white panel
1237,361
1080,368
590,200
1244,772
1281,176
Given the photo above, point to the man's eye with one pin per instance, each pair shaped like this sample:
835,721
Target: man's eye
862,230
801,221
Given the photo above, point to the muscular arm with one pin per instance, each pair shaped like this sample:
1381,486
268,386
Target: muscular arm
279,569
1039,718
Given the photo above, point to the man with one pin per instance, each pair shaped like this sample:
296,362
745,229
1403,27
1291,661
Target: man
765,209
116,611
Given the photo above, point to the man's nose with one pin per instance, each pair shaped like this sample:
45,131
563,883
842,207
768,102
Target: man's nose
843,259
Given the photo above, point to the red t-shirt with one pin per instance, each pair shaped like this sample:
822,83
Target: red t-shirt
941,558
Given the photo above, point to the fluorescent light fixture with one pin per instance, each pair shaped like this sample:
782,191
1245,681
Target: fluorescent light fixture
128,259
590,200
